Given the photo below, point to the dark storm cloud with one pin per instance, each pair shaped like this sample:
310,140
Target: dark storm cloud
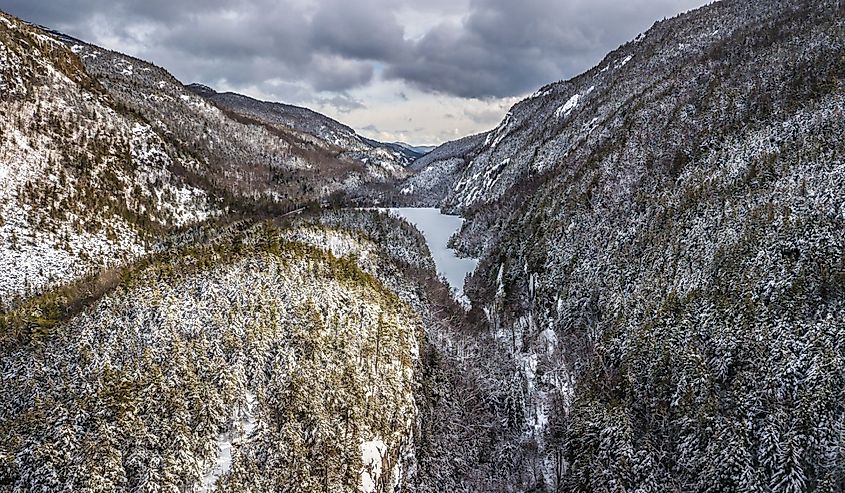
506,48
345,28
481,48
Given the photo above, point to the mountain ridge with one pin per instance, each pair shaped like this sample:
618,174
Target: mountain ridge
310,122
658,305
644,226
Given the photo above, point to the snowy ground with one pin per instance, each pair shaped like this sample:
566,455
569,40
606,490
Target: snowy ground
226,442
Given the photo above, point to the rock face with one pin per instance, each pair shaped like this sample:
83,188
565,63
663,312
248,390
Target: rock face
662,244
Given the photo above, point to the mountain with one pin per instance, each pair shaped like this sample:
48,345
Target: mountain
192,300
435,172
80,120
243,154
84,183
662,257
332,133
421,150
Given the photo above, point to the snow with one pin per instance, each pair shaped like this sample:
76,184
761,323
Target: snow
226,442
549,339
372,455
540,94
47,39
567,107
437,228
9,24
500,133
625,61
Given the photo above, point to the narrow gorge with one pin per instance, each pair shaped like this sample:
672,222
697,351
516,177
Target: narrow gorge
635,282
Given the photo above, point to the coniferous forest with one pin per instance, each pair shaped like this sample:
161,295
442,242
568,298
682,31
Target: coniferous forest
202,291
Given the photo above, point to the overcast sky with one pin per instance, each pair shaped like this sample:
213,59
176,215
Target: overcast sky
422,71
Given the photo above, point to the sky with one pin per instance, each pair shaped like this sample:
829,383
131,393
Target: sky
418,71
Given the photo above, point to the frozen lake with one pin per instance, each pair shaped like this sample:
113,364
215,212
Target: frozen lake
437,229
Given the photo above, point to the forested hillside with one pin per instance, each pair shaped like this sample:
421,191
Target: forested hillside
663,254
240,156
294,357
195,295
332,134
84,184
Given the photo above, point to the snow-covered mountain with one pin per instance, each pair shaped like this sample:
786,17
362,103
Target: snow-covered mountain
84,184
157,334
242,153
103,154
662,245
334,134
436,171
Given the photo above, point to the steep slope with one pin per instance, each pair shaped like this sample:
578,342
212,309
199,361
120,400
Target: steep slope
291,359
436,172
238,156
333,133
83,183
663,244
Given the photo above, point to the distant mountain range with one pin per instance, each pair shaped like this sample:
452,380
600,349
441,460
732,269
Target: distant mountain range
332,132
421,150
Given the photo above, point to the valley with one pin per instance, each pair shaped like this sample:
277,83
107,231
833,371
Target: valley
635,282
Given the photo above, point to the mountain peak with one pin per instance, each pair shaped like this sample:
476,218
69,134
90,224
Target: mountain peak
201,89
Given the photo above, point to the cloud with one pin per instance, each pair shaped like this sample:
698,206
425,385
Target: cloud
477,49
506,48
351,30
484,116
342,103
337,53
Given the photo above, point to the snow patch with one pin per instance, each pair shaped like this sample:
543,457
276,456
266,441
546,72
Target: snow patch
372,457
625,61
567,107
540,94
549,340
226,442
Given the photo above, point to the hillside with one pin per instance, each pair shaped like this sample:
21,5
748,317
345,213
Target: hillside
241,154
436,172
64,142
293,356
332,133
662,243
78,120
